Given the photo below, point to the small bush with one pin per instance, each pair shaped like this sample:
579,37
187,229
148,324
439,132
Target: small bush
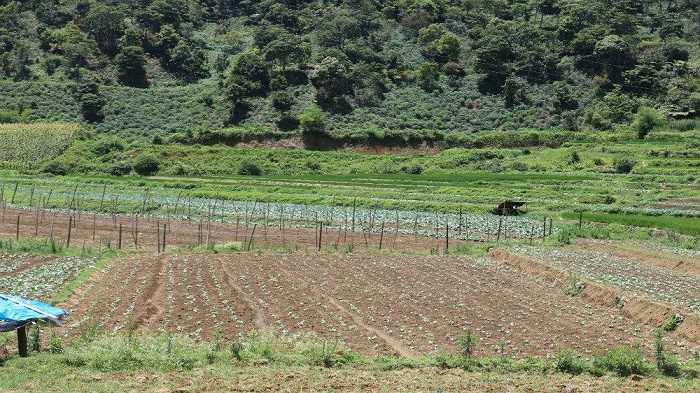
311,121
146,164
576,286
673,322
415,169
119,352
466,342
624,164
622,361
568,362
108,145
55,345
665,362
120,169
56,168
646,120
249,168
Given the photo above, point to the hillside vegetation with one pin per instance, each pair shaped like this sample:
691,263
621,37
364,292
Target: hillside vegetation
404,70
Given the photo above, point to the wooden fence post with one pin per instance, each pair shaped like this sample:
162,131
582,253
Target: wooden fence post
544,229
381,236
447,237
320,235
498,235
119,244
22,341
17,234
70,225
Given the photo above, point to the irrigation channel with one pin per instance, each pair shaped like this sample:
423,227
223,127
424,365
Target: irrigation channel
110,217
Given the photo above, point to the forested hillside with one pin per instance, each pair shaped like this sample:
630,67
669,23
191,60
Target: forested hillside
164,67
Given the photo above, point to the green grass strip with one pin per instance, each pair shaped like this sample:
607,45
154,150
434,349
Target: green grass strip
683,225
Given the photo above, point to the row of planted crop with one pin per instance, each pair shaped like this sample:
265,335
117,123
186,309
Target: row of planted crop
479,227
631,275
39,277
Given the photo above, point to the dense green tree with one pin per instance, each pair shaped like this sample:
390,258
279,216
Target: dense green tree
563,98
106,25
250,76
439,44
428,76
130,63
332,83
76,48
187,62
615,55
166,12
494,54
131,37
91,101
336,32
266,32
288,49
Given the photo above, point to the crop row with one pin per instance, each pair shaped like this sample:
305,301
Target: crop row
32,143
665,285
43,279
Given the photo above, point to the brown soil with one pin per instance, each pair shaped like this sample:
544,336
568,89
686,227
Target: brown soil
376,303
640,309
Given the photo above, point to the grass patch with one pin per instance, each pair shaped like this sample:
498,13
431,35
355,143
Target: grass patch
684,225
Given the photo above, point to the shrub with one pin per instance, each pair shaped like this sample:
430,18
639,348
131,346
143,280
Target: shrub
56,168
623,361
311,120
415,169
146,164
576,286
108,145
673,322
466,343
249,168
568,362
624,164
646,120
665,362
121,168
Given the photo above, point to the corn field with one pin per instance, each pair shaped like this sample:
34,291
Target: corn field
32,143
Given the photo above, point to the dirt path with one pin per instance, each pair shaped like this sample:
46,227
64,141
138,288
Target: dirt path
392,342
259,315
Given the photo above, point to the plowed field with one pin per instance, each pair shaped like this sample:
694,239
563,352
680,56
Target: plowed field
376,303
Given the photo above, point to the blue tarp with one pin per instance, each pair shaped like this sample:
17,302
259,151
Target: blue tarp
15,310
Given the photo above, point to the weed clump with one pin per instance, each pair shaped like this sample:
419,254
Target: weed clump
673,322
568,362
622,361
